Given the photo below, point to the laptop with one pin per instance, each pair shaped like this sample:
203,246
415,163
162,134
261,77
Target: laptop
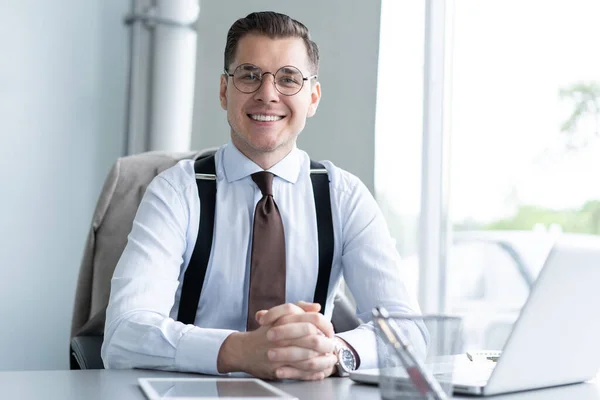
556,339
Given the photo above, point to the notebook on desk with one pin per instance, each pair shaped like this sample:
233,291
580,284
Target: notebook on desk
555,341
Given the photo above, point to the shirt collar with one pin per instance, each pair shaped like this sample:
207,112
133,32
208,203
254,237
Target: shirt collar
237,166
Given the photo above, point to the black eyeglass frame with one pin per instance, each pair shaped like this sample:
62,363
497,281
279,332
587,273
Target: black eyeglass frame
304,79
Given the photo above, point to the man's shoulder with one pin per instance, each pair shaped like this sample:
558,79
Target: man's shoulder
179,176
341,180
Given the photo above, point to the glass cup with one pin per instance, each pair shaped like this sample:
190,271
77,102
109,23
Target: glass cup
433,341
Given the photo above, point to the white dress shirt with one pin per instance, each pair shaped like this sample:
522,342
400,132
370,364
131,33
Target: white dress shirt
141,328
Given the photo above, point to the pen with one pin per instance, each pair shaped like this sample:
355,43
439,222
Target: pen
421,378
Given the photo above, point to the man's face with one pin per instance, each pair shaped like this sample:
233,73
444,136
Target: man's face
251,132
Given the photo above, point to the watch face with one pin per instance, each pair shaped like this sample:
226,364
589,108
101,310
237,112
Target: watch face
346,359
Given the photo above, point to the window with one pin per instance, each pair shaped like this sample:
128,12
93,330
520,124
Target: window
399,121
522,157
523,122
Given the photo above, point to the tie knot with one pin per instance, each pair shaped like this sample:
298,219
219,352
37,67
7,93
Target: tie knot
264,180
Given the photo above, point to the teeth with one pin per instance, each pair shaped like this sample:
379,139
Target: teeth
265,118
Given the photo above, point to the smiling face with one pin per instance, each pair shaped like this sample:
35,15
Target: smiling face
265,124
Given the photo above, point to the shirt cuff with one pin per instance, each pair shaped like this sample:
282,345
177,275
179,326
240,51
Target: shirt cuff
198,350
362,340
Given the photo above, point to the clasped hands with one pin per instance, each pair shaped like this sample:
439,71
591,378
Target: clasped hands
294,341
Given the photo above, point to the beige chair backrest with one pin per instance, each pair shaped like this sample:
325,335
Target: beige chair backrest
111,223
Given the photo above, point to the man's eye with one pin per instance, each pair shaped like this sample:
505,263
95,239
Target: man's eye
249,77
288,80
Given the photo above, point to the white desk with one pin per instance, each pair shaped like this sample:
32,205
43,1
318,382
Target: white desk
121,385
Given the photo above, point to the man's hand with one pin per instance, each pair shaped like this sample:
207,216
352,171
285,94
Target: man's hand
303,340
292,343
289,314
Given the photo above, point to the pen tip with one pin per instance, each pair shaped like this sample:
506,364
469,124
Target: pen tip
380,312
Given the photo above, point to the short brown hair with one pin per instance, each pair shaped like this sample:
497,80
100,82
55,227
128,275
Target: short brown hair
273,25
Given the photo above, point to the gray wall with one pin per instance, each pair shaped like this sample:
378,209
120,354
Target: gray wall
347,32
62,76
62,93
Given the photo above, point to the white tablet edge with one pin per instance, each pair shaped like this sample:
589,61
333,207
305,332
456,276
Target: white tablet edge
153,395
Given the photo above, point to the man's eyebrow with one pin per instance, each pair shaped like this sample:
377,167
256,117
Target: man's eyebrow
249,67
289,70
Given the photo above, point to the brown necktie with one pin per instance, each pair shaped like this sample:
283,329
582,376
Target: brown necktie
267,264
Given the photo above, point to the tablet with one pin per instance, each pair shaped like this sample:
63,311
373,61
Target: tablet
210,388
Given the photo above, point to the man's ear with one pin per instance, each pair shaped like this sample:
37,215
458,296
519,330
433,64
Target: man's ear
223,91
315,97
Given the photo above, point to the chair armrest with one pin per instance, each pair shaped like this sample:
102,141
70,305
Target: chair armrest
344,315
85,352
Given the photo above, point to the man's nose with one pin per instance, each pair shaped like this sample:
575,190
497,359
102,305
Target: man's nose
267,91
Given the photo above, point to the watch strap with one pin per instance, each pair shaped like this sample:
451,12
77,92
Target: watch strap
339,371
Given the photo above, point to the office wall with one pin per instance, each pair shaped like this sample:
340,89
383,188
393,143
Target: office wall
62,80
347,33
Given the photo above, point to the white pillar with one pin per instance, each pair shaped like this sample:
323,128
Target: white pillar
434,232
162,75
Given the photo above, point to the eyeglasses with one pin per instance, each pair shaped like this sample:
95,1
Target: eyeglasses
288,80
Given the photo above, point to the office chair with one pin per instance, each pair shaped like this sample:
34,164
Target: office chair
112,221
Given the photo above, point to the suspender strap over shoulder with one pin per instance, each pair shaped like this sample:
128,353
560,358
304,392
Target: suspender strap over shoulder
207,191
320,183
206,180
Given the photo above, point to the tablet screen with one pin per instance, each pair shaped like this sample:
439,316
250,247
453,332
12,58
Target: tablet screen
210,388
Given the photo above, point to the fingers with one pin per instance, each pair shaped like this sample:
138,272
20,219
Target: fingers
303,352
291,354
277,312
300,341
259,314
292,330
312,369
320,363
309,307
317,343
314,318
303,359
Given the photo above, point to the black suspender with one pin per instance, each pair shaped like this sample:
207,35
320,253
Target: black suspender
206,180
320,183
207,191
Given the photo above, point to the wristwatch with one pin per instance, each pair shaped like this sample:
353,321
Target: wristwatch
346,360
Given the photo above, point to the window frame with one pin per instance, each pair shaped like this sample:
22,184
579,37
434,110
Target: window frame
434,220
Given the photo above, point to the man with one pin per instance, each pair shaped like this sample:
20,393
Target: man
269,88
